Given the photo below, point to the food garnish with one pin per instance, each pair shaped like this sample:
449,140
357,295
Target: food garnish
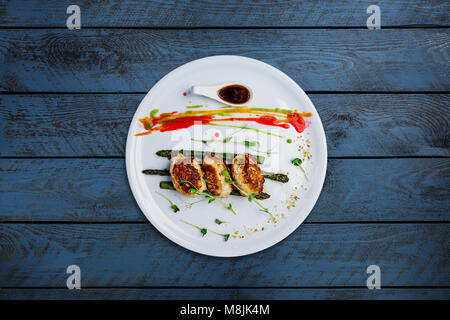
211,198
298,162
204,231
251,197
172,205
218,221
276,117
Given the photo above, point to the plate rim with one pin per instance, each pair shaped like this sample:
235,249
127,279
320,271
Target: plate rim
277,238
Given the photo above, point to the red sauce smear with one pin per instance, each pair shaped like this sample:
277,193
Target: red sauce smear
297,121
269,117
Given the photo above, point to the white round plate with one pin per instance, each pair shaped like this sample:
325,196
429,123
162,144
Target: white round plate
251,230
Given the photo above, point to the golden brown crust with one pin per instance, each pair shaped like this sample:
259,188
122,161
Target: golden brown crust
247,174
186,174
215,181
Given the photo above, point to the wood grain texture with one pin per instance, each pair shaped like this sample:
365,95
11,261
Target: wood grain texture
98,190
232,293
97,125
133,60
173,13
135,255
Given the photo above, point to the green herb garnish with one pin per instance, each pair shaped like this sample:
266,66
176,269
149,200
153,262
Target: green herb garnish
251,198
218,221
289,140
298,162
204,231
172,205
189,205
225,236
208,196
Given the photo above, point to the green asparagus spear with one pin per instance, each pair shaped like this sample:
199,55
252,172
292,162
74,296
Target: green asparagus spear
168,185
268,175
200,154
156,172
280,177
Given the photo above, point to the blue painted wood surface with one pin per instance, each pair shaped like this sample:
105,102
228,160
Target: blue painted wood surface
230,13
315,255
67,98
124,60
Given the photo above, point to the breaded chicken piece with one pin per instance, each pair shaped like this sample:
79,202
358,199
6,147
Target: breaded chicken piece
247,174
184,169
215,181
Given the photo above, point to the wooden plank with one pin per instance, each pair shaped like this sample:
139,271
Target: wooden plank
133,60
135,255
354,190
97,124
232,293
134,13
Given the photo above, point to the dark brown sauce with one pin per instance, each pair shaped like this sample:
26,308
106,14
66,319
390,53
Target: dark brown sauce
235,94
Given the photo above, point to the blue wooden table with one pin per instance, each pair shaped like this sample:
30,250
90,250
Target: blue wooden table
67,98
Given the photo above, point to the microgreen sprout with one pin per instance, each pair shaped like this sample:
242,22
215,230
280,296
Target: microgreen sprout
172,205
208,196
251,198
218,221
298,162
204,231
225,236
189,205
